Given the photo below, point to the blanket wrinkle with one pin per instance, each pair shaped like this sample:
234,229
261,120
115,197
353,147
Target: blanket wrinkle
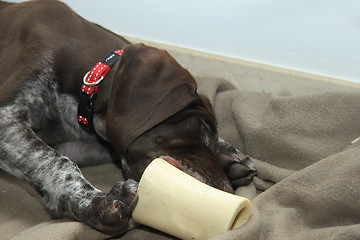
308,170
318,202
270,172
304,134
217,86
261,184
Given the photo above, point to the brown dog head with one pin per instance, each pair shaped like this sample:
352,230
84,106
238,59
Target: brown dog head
154,110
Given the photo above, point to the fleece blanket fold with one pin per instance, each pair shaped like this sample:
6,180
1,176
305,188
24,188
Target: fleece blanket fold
308,165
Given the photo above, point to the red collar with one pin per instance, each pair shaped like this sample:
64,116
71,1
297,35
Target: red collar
89,89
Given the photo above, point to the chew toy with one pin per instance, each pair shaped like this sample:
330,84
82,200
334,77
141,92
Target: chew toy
178,204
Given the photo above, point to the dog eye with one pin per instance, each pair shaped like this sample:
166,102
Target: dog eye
205,128
207,134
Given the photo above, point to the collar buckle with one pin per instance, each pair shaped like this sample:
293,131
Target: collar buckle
91,83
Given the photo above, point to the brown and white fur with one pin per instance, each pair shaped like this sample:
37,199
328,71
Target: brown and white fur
45,49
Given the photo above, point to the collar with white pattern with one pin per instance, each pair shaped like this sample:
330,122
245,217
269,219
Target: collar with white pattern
89,89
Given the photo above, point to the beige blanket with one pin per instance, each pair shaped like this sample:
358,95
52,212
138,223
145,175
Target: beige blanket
308,186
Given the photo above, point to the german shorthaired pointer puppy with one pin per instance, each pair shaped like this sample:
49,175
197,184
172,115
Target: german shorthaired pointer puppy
146,106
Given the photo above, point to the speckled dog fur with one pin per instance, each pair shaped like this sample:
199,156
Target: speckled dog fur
25,154
31,152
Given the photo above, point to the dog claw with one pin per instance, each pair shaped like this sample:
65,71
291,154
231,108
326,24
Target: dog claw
238,166
241,171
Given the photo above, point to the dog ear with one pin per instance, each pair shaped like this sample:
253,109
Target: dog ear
149,87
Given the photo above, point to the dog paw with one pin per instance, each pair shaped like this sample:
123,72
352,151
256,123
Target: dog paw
111,212
237,166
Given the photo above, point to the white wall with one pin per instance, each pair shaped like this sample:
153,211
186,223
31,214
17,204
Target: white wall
321,37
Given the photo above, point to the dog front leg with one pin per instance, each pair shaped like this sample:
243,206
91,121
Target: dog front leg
66,192
236,165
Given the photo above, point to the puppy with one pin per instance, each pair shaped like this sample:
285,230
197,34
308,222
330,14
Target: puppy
56,114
